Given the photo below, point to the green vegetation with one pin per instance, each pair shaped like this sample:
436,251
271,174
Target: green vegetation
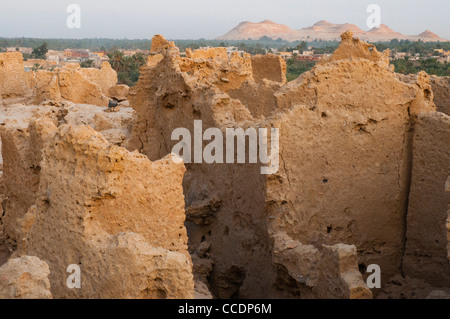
431,66
296,67
87,64
40,52
127,67
36,67
91,44
423,48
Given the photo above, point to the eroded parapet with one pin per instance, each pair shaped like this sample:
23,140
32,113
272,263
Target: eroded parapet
426,255
24,131
14,86
79,86
351,47
270,67
214,67
25,278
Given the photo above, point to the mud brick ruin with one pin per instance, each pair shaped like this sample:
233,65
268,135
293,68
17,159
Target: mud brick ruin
363,179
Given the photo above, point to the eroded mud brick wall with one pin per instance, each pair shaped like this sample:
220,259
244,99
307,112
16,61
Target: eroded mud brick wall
345,157
345,143
167,98
71,82
427,234
114,213
14,84
441,90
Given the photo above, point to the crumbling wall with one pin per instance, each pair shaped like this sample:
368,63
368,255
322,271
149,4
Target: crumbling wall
78,88
345,133
441,90
355,48
339,274
105,77
215,214
426,254
75,84
214,67
14,87
115,126
22,143
72,83
46,87
270,67
259,98
345,160
111,212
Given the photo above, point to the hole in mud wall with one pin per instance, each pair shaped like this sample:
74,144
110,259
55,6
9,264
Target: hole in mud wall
362,268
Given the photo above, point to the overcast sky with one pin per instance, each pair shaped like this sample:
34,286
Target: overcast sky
194,19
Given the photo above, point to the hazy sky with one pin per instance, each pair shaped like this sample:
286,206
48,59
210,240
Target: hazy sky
194,19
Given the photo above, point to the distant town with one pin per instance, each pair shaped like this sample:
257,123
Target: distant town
406,56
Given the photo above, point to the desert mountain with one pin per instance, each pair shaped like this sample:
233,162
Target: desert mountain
322,30
246,30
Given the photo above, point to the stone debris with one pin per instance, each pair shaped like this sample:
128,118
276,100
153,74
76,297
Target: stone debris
25,278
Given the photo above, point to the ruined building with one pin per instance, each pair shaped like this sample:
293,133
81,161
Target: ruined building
364,161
